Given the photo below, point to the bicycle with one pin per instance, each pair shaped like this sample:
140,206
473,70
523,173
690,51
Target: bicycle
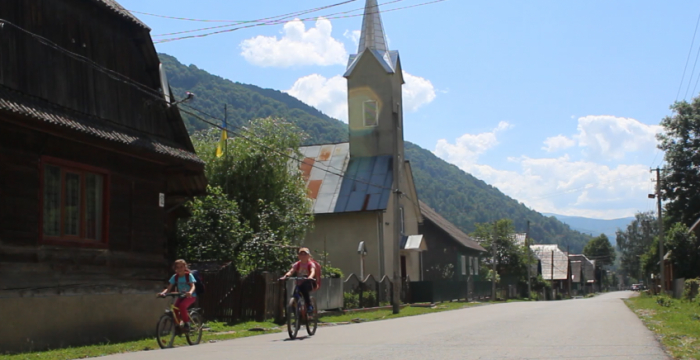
296,311
169,325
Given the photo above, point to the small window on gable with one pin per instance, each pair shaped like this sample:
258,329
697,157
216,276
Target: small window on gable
370,109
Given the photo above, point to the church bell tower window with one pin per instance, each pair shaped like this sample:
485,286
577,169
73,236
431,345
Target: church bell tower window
371,113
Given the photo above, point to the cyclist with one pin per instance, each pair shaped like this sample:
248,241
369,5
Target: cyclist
184,282
303,268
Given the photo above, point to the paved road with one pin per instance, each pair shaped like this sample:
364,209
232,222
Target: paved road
597,328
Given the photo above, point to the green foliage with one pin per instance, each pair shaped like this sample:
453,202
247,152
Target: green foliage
599,249
511,259
351,300
690,289
271,200
680,141
684,254
213,231
635,241
663,300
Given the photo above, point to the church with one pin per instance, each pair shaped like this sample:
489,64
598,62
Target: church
353,185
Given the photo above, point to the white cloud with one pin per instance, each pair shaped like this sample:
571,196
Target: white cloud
330,94
327,95
417,92
610,136
559,184
297,46
353,35
557,143
467,148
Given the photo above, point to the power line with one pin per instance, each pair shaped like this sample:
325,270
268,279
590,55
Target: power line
303,20
688,58
692,73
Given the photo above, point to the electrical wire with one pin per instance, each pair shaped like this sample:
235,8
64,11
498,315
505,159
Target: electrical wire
303,20
697,22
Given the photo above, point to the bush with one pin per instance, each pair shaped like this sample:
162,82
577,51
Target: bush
558,297
351,300
369,299
664,301
690,289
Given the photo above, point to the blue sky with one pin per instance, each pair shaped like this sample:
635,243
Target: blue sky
556,103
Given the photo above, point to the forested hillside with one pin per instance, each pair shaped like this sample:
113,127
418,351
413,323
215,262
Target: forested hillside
456,195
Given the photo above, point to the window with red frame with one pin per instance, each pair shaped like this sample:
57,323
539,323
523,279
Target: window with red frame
74,203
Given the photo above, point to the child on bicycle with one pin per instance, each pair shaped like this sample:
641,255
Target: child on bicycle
184,282
303,268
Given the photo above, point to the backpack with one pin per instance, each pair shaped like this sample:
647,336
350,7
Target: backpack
199,287
318,273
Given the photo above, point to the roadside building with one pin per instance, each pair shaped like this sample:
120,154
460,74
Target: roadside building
95,164
554,265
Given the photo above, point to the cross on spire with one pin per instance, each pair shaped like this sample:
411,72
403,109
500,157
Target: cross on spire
372,37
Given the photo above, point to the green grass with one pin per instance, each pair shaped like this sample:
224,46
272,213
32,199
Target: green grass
233,332
677,325
387,314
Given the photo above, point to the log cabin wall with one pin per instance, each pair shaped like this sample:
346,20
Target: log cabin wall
82,27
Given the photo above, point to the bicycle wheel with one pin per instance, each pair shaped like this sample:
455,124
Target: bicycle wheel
194,336
165,331
312,319
292,319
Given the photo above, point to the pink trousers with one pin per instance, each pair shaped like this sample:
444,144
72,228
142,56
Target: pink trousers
182,304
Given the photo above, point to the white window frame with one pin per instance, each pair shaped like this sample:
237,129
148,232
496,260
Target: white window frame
364,113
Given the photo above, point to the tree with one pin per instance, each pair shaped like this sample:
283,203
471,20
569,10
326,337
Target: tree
213,231
271,198
680,141
599,249
683,251
635,241
511,259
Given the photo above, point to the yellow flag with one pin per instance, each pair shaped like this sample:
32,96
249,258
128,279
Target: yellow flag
222,144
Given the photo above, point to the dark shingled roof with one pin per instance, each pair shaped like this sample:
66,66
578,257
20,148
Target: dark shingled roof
457,234
17,103
120,10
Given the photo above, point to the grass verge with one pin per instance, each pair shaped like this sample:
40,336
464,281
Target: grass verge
676,322
218,331
387,314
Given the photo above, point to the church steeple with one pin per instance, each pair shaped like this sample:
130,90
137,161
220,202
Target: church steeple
372,30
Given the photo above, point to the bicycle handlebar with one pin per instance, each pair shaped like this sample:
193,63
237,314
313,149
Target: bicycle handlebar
173,294
301,278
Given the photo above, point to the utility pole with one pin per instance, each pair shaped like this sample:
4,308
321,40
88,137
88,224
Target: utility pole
493,264
396,306
529,259
226,147
661,229
568,271
552,273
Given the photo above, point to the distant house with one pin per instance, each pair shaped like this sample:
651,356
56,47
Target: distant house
451,254
351,184
554,265
583,274
95,164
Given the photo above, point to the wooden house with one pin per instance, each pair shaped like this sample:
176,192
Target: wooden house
451,254
95,163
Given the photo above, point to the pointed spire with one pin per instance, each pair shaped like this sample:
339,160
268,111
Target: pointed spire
372,30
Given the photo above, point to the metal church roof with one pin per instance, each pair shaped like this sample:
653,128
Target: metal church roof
372,36
338,183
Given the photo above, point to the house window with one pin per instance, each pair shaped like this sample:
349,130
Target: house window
74,206
475,265
471,265
464,265
370,110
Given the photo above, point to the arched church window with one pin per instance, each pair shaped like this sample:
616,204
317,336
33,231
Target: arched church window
370,109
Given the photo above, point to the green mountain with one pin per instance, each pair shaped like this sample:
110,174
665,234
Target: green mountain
459,197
